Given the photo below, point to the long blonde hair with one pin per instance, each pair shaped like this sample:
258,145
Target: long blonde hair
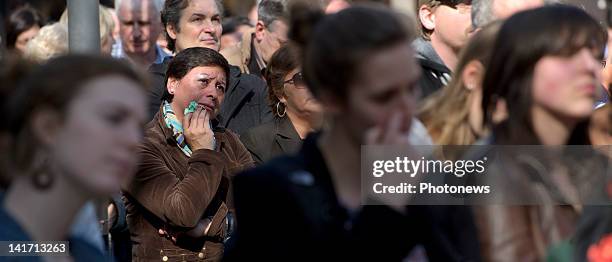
446,113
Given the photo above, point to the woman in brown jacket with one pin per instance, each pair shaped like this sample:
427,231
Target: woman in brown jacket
178,207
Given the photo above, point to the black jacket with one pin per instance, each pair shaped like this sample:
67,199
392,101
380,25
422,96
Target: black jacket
272,139
287,210
245,104
435,75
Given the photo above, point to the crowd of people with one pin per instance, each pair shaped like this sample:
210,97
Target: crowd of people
203,135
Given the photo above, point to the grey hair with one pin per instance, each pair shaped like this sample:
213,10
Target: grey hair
269,11
159,5
482,11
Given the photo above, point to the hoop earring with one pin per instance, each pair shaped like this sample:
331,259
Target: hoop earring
278,113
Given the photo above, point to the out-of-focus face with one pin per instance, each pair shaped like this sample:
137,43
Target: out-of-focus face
204,84
297,97
607,71
140,26
335,6
453,25
199,26
25,37
271,38
233,39
96,145
566,86
503,9
386,84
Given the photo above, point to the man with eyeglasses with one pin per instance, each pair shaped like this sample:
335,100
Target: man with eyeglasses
257,47
445,28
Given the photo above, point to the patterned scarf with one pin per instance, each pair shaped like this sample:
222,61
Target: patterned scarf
173,123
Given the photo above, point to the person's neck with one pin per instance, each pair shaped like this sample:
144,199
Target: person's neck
177,112
145,59
44,215
341,153
304,124
551,129
260,54
445,52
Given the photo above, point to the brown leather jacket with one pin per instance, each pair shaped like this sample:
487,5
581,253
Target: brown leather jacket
526,232
174,192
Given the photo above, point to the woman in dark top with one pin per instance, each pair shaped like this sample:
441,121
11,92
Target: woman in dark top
73,138
296,111
359,64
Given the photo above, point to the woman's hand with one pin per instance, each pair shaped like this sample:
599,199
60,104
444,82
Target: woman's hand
197,130
391,132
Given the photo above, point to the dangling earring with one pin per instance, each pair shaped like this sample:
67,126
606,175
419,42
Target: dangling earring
278,113
41,175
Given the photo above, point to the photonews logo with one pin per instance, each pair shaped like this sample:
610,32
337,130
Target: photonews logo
404,165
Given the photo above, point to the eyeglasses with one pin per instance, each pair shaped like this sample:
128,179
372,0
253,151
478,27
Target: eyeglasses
297,80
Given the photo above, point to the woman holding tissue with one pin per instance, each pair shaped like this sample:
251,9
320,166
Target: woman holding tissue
178,207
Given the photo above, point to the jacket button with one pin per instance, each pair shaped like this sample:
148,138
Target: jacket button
201,255
165,258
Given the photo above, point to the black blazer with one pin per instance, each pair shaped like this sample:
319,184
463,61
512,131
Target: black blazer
272,139
287,210
245,104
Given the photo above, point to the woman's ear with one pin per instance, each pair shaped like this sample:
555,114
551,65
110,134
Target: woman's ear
282,99
45,125
281,95
172,85
472,75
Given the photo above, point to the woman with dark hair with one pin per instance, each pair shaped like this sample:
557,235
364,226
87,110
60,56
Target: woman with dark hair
296,111
73,138
21,26
359,64
548,85
183,182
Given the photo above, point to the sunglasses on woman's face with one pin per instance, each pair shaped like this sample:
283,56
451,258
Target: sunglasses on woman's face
297,80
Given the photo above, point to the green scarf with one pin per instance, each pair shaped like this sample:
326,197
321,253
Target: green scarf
173,123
